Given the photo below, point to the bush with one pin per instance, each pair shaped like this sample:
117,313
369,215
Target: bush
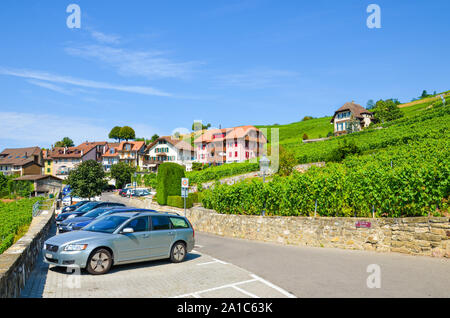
194,197
178,202
169,181
343,150
305,137
150,180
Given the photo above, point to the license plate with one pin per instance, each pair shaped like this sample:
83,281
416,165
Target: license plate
49,256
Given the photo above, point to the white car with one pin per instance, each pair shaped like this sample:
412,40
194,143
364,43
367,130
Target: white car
66,200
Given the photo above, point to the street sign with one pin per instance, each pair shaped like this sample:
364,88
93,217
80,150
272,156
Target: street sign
185,183
184,193
363,224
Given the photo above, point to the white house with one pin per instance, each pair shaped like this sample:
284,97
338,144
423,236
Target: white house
348,112
168,149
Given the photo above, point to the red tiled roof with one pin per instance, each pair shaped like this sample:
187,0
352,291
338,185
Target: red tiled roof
19,156
136,145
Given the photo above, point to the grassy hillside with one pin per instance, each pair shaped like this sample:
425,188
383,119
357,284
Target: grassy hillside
291,133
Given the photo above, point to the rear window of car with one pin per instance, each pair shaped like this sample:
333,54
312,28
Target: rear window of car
178,223
160,223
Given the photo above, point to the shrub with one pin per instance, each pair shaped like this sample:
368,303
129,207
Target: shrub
343,150
305,137
195,197
169,181
223,171
178,202
150,180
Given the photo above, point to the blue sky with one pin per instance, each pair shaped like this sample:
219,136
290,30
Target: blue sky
160,65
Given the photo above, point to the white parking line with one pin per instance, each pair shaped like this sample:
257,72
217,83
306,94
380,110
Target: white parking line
215,260
245,292
194,294
282,291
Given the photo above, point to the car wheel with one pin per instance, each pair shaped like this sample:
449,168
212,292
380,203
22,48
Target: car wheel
99,262
178,253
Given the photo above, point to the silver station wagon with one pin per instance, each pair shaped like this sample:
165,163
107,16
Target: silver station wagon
122,238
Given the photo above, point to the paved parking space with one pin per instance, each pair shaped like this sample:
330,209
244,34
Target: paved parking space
199,276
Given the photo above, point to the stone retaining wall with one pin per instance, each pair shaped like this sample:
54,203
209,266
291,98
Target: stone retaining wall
416,236
17,262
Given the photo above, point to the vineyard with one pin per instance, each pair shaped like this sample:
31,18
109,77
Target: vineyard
13,216
403,170
218,172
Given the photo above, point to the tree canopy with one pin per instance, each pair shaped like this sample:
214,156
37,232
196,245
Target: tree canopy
387,110
115,133
65,142
127,133
122,173
87,180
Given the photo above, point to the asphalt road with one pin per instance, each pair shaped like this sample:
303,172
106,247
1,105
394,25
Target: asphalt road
326,272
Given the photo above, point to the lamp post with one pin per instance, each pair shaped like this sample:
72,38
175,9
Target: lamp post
264,163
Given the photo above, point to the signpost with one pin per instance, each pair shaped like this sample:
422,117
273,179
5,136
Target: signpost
184,191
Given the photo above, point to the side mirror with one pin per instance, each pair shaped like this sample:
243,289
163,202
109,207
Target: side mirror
127,230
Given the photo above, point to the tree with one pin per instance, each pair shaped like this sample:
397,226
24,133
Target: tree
307,118
65,142
197,125
353,125
370,104
122,173
424,94
154,137
127,133
305,136
287,161
87,180
115,133
385,111
169,181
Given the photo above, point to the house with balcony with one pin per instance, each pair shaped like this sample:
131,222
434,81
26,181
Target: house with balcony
229,145
351,113
21,161
65,159
111,156
168,149
131,152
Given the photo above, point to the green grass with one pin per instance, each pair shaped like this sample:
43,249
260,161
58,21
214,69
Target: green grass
291,133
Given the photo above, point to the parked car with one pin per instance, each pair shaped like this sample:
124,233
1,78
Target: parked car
73,207
77,223
85,209
66,190
122,238
137,193
69,200
123,192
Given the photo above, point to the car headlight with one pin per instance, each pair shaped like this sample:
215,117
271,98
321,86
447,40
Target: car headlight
75,247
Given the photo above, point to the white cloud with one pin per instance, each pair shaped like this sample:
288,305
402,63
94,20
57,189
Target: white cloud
50,87
105,38
43,76
150,64
257,79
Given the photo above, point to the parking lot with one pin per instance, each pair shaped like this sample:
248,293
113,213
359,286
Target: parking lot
199,276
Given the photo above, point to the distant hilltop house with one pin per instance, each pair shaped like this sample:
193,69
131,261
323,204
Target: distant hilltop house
351,112
228,145
21,161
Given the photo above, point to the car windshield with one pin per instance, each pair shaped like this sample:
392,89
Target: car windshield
87,207
96,212
107,224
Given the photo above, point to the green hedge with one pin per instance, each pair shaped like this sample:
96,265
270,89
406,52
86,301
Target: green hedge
12,189
169,181
178,202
